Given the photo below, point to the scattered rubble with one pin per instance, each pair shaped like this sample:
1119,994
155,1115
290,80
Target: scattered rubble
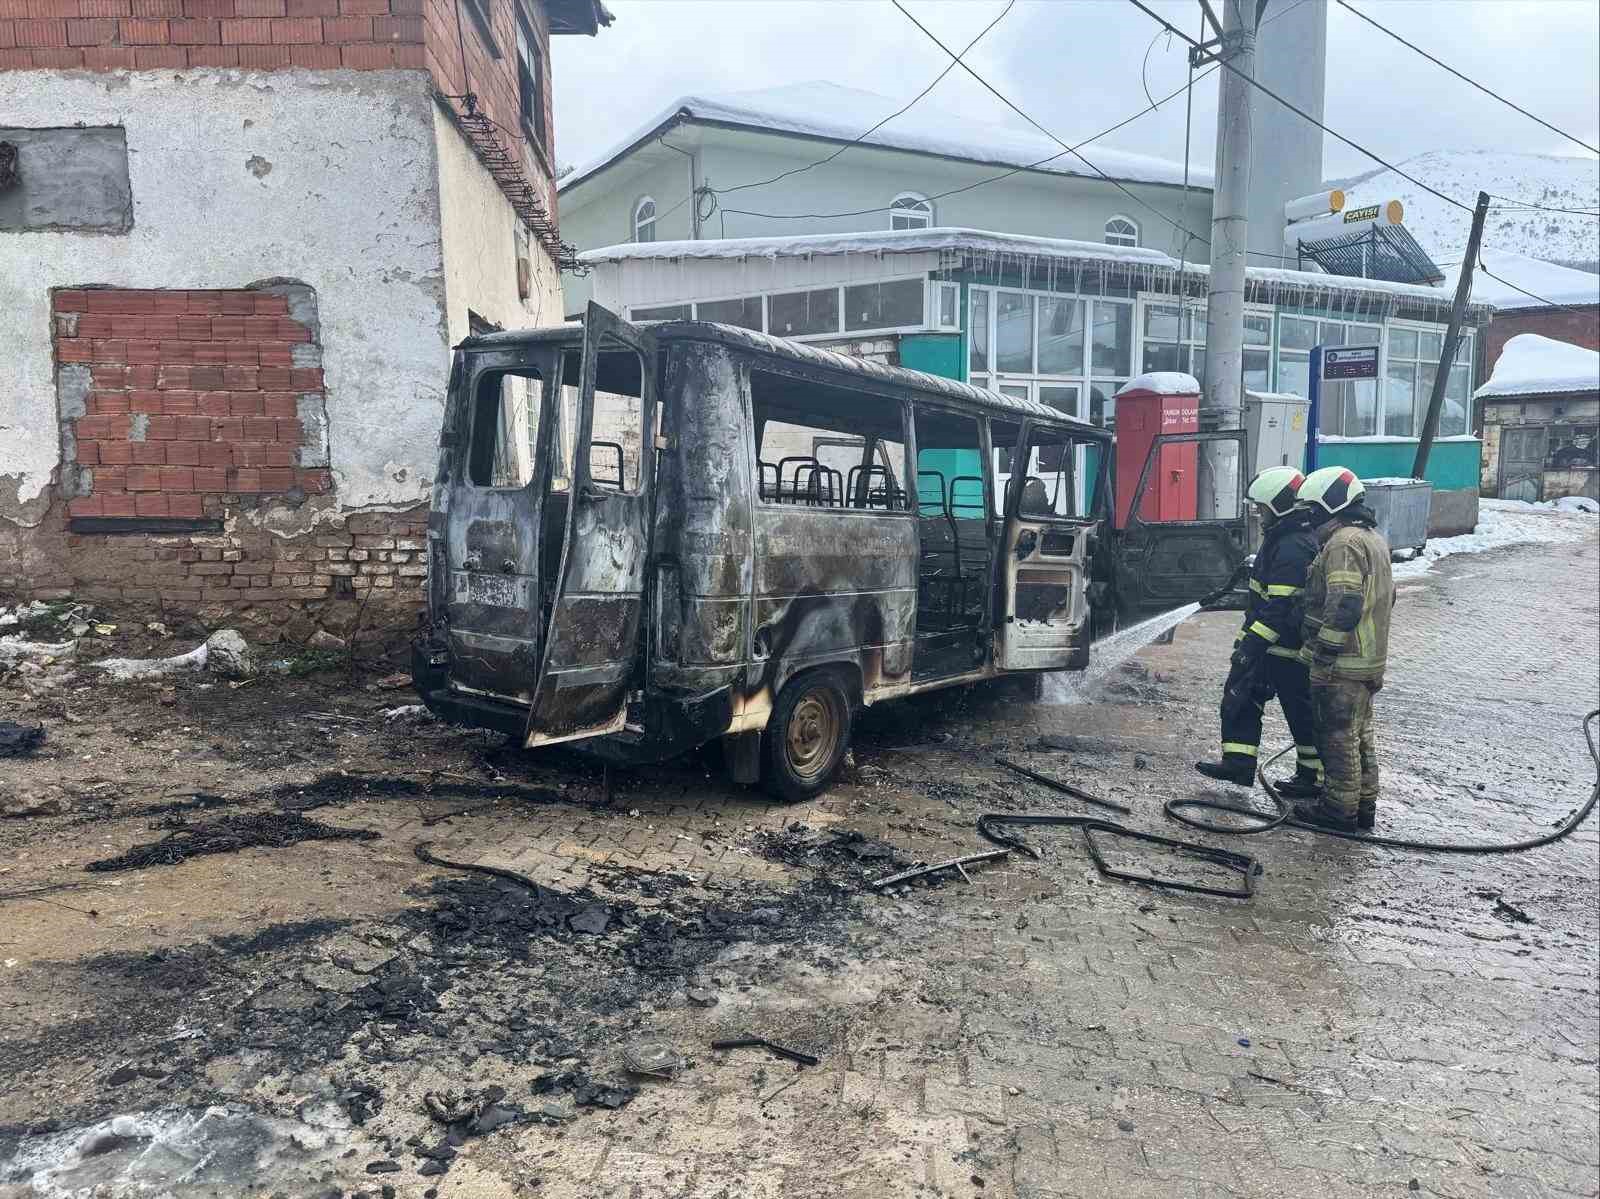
225,653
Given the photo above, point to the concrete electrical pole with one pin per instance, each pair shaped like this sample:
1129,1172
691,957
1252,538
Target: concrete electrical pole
1221,404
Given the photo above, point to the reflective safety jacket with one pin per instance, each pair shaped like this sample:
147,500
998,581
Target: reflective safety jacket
1277,582
1349,595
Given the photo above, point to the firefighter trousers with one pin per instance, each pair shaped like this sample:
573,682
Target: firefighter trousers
1347,741
1290,680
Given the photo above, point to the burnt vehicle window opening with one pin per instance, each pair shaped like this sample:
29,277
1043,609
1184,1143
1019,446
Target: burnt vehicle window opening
1050,486
505,428
616,434
821,446
953,571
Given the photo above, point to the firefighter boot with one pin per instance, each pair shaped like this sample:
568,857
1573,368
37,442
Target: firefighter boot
1304,784
1318,814
1238,769
1367,815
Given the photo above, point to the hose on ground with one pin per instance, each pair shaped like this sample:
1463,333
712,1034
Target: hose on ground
1176,809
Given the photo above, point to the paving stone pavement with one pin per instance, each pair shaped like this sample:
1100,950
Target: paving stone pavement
1371,1023
1365,1026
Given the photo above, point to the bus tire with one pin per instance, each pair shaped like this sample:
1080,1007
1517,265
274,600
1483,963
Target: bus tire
807,736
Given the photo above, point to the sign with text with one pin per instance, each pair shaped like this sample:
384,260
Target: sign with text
1350,362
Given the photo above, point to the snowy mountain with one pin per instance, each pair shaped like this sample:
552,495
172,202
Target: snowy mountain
1554,182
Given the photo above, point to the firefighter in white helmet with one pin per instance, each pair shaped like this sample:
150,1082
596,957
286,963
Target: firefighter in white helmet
1345,643
1266,654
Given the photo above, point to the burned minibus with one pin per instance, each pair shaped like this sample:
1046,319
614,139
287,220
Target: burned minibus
649,537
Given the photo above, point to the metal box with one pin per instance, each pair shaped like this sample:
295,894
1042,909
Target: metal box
1401,506
1275,428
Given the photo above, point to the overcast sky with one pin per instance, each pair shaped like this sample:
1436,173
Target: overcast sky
1075,66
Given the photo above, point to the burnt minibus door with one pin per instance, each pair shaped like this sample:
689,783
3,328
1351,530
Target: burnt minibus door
489,501
1172,552
1045,606
595,595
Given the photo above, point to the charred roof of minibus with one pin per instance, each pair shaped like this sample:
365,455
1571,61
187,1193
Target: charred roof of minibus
828,362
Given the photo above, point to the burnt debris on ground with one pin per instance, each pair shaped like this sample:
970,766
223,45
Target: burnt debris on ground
18,739
227,834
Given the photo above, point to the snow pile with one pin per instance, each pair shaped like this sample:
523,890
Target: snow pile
1532,364
1163,383
1546,179
1520,275
842,114
1502,523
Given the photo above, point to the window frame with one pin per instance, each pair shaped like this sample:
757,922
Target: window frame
919,207
1107,235
929,301
899,403
531,88
655,211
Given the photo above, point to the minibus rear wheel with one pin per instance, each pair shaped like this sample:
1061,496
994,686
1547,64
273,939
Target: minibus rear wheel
808,735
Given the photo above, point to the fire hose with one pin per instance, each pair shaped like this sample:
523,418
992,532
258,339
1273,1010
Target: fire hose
1178,808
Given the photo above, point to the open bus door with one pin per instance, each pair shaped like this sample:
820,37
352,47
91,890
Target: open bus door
595,600
1170,553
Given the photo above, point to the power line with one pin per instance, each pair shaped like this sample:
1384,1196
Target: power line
1298,111
1073,150
1512,202
1531,295
1466,78
938,79
990,179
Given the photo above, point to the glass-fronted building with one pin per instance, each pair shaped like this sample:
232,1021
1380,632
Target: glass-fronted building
1068,323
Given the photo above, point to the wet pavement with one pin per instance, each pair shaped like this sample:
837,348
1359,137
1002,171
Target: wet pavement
1371,1023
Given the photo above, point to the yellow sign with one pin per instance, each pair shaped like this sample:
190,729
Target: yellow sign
1361,214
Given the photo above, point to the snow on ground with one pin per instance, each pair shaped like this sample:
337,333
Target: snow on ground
1502,523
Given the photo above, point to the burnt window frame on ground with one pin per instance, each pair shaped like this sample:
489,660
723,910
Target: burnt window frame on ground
880,422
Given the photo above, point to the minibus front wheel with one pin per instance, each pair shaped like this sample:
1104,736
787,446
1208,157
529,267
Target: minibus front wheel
808,735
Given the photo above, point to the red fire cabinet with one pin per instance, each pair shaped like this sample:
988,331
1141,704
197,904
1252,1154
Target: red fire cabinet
1151,405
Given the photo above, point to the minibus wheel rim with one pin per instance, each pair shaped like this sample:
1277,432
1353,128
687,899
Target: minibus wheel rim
813,732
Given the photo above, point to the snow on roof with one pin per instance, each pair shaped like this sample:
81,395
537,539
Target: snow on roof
825,110
903,241
1546,280
1162,383
1286,286
1531,364
1441,227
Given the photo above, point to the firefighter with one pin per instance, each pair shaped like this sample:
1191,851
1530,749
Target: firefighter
1345,643
1266,653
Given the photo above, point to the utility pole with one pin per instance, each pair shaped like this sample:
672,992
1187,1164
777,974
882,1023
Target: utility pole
1221,405
1452,338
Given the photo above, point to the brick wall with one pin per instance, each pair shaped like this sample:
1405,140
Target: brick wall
175,403
461,61
370,565
1580,326
108,35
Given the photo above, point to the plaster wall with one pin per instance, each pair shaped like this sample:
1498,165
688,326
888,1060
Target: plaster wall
326,177
482,238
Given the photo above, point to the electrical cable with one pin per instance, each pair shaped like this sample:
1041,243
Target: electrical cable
937,80
1514,204
1298,111
1515,287
986,181
1174,808
1467,78
995,92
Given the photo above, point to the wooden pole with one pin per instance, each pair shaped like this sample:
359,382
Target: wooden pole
1452,339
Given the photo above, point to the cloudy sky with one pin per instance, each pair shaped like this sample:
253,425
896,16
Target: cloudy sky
1076,67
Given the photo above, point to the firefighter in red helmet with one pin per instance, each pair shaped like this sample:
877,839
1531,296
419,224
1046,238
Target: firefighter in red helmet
1345,642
